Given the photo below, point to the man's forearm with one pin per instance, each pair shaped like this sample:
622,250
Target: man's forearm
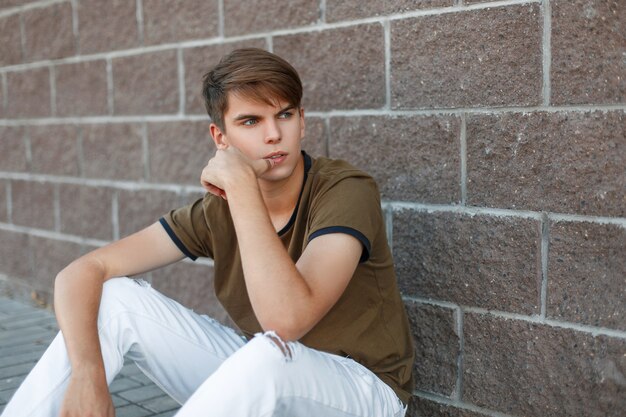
278,293
77,293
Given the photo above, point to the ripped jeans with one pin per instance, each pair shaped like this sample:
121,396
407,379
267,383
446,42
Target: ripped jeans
207,367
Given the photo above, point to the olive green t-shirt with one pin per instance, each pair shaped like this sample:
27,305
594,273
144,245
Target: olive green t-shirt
368,323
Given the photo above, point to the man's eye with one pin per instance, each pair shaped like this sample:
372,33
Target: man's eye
249,122
285,115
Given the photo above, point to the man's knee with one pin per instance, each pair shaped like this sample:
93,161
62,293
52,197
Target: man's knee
121,294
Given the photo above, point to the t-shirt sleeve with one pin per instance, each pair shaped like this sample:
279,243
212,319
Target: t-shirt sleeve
188,229
352,206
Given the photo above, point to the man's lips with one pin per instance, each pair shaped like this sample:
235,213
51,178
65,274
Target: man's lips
276,157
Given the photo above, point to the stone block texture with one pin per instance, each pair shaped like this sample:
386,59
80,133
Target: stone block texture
179,151
165,21
48,32
11,45
424,165
568,162
146,83
586,277
82,89
54,150
526,369
478,261
340,68
475,58
437,347
107,26
267,15
495,130
588,51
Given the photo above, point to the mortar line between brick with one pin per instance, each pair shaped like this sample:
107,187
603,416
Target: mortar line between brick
115,221
387,38
318,114
460,363
594,331
389,227
458,404
5,91
110,91
139,18
145,147
22,37
80,151
220,12
269,42
57,208
34,5
547,51
75,32
53,90
28,148
9,191
432,302
181,82
327,136
322,12
463,140
545,239
281,32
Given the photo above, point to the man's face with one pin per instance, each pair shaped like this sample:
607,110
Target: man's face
260,130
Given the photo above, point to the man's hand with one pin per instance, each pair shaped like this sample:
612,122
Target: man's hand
229,166
87,395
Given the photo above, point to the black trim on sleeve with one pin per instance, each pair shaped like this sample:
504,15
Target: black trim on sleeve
367,247
176,240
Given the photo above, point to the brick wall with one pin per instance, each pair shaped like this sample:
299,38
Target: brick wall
496,131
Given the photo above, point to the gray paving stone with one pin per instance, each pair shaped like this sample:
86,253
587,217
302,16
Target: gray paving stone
26,331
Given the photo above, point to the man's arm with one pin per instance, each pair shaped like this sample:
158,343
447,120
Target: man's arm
77,293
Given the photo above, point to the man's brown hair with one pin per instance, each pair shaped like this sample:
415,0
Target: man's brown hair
252,73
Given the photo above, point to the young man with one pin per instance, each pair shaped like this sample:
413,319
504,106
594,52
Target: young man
301,264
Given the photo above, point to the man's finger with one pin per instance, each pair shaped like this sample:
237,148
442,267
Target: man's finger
261,166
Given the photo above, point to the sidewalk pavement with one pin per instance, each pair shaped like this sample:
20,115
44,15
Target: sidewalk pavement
26,331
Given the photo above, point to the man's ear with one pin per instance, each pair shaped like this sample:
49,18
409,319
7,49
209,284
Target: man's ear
219,138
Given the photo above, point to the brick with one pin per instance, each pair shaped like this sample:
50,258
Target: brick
13,155
179,151
86,211
81,89
471,260
50,256
165,21
425,162
28,93
489,57
139,209
11,45
316,137
48,32
588,52
198,61
107,25
421,407
586,270
54,149
529,369
113,151
14,254
33,204
191,284
267,15
512,162
358,9
340,68
146,83
437,347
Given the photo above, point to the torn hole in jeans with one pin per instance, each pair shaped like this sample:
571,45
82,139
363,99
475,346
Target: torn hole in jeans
280,344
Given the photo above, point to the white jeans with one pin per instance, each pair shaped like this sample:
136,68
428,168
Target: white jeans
208,367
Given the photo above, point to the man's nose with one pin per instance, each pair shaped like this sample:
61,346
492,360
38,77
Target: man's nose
272,134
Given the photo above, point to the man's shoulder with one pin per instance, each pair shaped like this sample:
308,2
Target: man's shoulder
334,170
